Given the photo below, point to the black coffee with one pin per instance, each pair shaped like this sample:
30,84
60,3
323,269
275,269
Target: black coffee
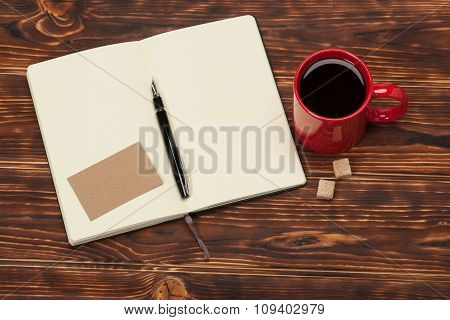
332,88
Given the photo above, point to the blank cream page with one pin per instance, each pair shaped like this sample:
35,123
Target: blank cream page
91,105
219,89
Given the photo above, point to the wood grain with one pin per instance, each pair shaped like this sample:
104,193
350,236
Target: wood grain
113,283
385,235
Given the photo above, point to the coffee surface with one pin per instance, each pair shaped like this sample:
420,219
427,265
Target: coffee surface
332,88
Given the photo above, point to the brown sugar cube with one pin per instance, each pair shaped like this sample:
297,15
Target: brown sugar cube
342,168
325,189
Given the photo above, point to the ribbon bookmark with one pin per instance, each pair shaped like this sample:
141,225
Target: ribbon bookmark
202,245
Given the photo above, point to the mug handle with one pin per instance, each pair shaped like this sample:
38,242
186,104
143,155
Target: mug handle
391,113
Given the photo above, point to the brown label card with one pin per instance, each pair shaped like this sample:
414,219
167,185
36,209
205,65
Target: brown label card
114,181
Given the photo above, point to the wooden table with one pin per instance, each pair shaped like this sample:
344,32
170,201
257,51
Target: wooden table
385,235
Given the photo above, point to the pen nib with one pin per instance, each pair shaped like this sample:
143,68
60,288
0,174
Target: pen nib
154,91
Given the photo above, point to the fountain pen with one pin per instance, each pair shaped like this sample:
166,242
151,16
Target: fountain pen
172,150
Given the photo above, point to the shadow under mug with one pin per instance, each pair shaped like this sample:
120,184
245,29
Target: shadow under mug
336,135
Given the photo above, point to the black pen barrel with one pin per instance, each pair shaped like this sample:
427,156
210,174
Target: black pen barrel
158,103
171,148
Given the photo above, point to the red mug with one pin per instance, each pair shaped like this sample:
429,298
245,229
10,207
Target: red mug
335,135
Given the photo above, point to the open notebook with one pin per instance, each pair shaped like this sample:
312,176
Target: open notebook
217,85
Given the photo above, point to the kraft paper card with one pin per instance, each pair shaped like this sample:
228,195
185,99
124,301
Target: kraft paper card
114,181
